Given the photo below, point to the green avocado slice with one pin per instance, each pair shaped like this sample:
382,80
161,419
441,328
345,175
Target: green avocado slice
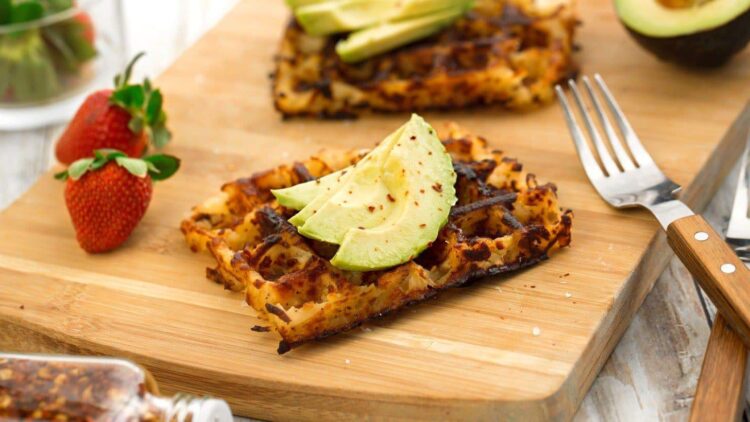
330,17
294,4
419,177
384,210
298,196
653,18
378,39
327,192
361,199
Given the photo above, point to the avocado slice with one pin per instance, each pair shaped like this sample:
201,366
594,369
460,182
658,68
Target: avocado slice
689,32
361,200
329,17
294,4
330,190
298,196
378,39
384,210
419,178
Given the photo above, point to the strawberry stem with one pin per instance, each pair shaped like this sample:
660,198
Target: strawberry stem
121,80
144,103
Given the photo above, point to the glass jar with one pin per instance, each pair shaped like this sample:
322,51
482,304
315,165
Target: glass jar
46,387
52,53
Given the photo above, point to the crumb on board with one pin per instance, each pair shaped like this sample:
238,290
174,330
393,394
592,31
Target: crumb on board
536,331
347,361
568,295
22,307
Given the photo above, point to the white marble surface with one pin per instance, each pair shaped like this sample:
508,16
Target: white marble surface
651,376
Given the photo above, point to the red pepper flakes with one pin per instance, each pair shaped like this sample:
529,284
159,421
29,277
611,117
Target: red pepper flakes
82,389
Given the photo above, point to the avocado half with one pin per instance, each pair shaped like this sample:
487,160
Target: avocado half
700,33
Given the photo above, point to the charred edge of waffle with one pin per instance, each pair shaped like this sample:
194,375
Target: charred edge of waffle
285,346
562,239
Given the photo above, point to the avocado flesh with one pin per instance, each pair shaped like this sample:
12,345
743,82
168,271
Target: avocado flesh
401,196
418,174
375,40
298,196
348,15
300,3
707,35
327,192
360,202
651,18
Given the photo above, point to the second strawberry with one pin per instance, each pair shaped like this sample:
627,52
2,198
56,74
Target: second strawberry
128,118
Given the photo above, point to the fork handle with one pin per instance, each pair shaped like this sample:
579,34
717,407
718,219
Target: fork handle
720,394
717,269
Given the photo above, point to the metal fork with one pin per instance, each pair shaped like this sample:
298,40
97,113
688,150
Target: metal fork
738,232
631,178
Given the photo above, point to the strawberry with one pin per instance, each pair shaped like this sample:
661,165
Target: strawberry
107,195
87,26
127,118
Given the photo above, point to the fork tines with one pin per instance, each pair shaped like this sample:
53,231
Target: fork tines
635,156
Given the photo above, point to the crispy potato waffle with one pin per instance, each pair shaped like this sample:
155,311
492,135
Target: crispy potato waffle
509,52
503,221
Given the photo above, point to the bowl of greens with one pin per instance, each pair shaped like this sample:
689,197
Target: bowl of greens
52,51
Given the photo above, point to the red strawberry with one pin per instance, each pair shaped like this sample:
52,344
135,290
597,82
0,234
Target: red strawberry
84,19
126,118
108,195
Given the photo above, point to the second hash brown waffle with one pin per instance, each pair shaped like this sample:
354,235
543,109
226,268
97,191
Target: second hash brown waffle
503,221
509,52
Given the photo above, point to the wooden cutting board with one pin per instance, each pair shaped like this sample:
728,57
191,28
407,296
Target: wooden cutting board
468,354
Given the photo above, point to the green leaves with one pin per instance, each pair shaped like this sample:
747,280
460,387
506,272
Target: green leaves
145,105
161,166
160,135
78,168
158,167
129,96
54,6
26,68
26,12
153,107
5,11
135,166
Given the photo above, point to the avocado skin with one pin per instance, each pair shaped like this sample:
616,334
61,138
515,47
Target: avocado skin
711,48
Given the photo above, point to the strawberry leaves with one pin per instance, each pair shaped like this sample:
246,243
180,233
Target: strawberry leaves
144,103
78,168
158,166
161,166
134,166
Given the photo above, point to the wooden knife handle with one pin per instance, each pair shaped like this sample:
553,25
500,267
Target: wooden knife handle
724,278
720,395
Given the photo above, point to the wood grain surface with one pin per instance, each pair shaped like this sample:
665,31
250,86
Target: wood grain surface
720,392
471,352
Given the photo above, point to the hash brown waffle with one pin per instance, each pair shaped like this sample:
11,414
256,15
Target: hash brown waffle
503,221
509,52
